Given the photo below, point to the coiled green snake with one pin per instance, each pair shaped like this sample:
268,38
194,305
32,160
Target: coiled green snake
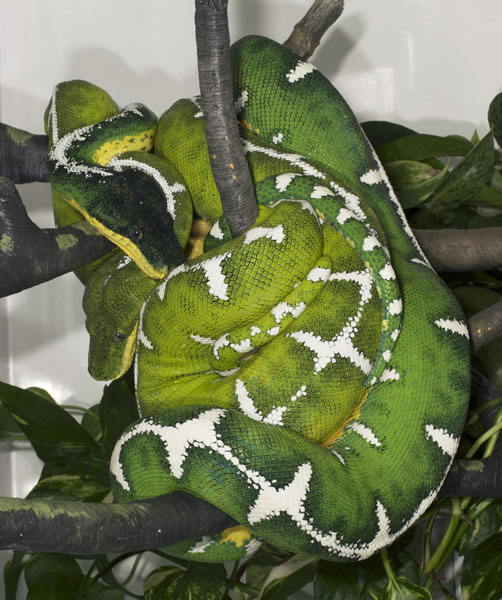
311,377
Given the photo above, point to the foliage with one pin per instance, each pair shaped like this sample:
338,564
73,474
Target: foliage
442,182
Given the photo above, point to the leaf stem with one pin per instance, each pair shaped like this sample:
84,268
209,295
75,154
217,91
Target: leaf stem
439,554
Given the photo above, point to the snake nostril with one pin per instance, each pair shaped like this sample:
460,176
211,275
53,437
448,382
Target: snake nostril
135,234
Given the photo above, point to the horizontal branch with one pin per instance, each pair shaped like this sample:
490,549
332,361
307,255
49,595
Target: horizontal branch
460,250
30,255
308,32
87,528
22,155
485,326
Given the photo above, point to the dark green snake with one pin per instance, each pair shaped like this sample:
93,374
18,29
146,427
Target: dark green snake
311,377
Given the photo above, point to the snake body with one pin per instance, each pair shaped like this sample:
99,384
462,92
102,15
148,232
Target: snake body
311,377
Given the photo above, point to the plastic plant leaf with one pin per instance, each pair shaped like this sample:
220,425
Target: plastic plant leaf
482,571
198,582
495,118
117,411
53,432
70,487
288,578
420,146
403,589
382,132
488,524
414,181
336,581
469,177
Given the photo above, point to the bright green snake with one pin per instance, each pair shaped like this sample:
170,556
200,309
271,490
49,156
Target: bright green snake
311,377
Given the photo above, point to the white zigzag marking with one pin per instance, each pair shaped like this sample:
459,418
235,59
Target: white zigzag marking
276,139
272,233
202,340
284,308
372,177
326,350
387,272
294,159
341,345
168,190
282,181
454,326
201,545
389,375
247,406
176,439
241,101
321,191
447,442
300,71
212,270
370,243
289,499
421,262
216,231
319,274
364,432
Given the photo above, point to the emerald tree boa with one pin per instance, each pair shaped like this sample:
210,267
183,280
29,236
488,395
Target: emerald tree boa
311,377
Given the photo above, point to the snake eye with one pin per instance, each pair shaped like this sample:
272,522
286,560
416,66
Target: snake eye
119,337
135,234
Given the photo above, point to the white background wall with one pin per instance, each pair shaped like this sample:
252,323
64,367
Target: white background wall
433,65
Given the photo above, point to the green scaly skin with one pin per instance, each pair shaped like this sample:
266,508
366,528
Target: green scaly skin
272,376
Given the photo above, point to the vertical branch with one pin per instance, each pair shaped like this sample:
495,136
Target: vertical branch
229,166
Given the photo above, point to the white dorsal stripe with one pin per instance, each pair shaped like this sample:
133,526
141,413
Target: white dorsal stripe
454,326
167,189
447,442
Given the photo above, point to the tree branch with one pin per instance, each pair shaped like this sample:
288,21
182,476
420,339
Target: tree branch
308,32
30,255
228,163
458,250
96,528
22,155
485,325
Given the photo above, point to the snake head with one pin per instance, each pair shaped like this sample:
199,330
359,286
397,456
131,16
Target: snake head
133,212
114,296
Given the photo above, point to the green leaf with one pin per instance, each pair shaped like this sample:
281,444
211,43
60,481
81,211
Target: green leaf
414,181
70,487
488,524
54,586
91,422
382,132
482,571
373,577
51,430
259,568
403,589
288,578
421,146
336,581
495,118
45,563
99,591
475,298
117,411
12,573
469,177
198,582
7,423
487,196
